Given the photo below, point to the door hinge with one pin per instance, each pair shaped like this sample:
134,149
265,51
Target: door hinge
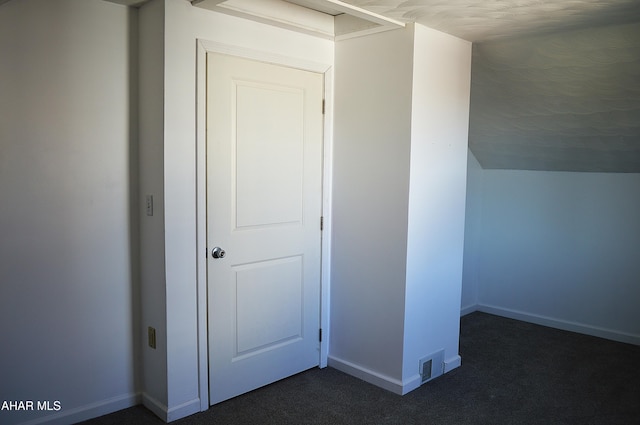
321,223
320,334
323,103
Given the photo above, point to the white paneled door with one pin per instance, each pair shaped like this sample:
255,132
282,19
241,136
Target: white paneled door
264,194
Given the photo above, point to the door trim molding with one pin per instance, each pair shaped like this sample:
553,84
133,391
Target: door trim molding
207,46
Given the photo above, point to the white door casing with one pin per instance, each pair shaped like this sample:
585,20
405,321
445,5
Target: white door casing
264,203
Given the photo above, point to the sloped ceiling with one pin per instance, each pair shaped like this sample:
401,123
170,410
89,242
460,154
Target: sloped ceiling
564,101
483,20
555,83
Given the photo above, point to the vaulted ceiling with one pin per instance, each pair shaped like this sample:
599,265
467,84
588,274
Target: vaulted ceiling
555,83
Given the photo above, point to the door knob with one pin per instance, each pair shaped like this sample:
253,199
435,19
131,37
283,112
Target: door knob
218,252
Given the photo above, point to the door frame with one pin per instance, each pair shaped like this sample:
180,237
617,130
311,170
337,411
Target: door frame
203,48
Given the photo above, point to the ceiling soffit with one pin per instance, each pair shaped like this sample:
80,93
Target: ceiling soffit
331,19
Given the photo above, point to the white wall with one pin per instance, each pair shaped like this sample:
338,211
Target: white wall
400,158
183,26
151,158
472,226
440,118
67,167
370,202
562,249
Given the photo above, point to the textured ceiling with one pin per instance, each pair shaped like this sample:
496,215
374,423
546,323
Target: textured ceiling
563,102
555,83
482,20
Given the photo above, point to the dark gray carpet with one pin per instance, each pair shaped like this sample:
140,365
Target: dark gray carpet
512,373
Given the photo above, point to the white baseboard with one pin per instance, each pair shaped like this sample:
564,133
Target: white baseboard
386,382
415,381
561,324
183,410
412,384
158,408
367,375
171,414
468,309
452,363
89,411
